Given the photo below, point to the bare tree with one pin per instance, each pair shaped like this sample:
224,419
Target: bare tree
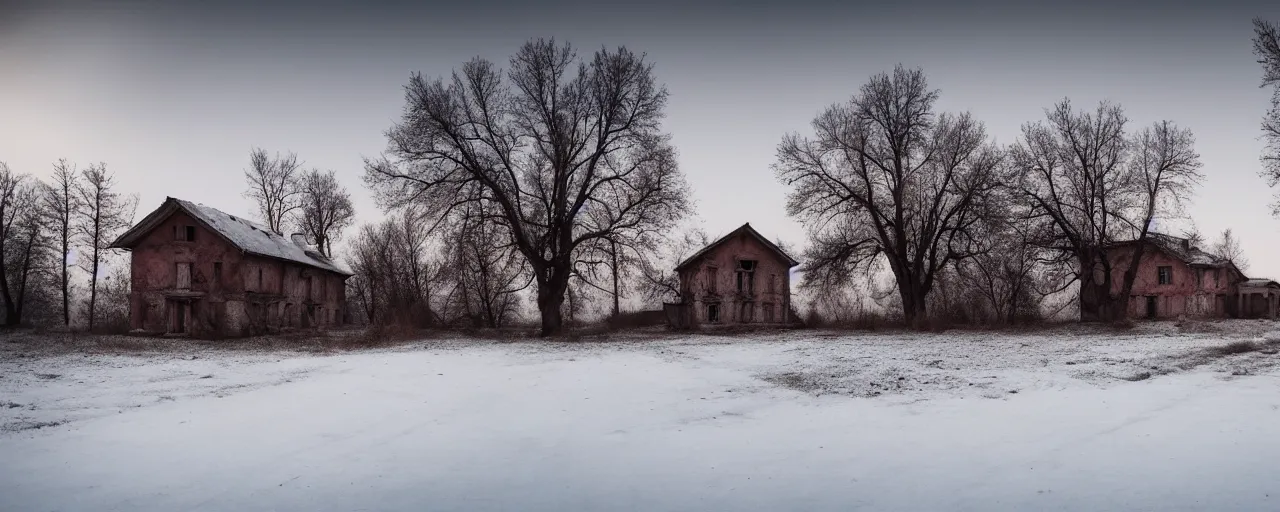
1266,46
324,209
1090,185
570,152
885,176
1007,275
61,204
103,215
273,185
20,240
658,280
1228,248
486,269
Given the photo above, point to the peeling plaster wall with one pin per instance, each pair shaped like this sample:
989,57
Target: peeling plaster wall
1194,291
230,293
712,280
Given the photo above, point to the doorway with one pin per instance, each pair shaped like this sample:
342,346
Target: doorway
1151,306
179,316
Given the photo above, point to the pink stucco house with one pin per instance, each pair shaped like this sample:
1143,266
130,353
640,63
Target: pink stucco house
1176,278
742,278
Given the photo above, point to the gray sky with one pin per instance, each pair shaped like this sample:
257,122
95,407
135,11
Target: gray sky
173,95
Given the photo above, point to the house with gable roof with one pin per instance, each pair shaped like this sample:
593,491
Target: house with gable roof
741,278
201,272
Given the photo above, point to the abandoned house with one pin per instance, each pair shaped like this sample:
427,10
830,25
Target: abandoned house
1176,278
201,272
742,278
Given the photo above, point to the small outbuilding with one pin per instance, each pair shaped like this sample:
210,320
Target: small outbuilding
742,278
201,272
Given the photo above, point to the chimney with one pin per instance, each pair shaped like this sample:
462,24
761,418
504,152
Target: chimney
1186,244
299,240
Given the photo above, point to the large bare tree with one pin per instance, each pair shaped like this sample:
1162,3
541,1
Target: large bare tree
21,240
104,214
569,151
885,176
324,209
273,186
61,204
1266,46
1090,184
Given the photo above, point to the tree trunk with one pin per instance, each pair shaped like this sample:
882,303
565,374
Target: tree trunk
913,304
613,251
551,299
93,289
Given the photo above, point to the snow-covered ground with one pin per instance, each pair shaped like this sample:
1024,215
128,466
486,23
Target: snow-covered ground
1151,419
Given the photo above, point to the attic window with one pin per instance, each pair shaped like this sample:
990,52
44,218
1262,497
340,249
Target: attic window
1165,275
184,233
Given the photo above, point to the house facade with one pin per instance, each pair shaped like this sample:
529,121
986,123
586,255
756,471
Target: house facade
1175,278
200,272
742,278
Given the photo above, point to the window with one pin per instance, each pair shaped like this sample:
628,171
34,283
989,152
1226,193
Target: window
711,279
1165,275
191,233
773,283
217,273
184,233
183,281
259,279
746,276
1217,273
713,313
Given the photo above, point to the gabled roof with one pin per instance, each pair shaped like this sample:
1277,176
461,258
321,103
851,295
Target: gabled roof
247,236
1182,249
746,228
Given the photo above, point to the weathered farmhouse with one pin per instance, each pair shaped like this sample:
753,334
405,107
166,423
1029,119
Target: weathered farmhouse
201,272
742,278
1176,278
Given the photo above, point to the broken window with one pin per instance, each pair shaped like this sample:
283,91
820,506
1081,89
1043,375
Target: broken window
713,313
746,276
183,281
1165,275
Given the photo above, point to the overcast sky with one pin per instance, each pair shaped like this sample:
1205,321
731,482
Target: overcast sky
172,95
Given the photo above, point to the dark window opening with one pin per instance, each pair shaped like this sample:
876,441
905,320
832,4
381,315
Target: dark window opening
713,312
746,276
1217,273
259,279
1165,275
191,233
217,272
